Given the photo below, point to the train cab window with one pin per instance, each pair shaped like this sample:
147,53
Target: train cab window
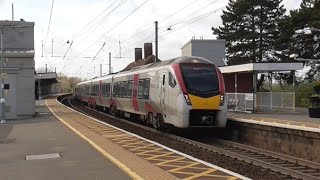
172,81
140,89
146,89
129,89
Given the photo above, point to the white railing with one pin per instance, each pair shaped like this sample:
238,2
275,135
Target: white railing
265,101
240,101
275,101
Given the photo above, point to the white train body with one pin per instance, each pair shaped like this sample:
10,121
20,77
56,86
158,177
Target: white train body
183,92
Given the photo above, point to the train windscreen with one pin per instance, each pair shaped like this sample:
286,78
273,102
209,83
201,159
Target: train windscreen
200,79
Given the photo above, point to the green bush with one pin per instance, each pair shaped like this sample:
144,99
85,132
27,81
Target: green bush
316,88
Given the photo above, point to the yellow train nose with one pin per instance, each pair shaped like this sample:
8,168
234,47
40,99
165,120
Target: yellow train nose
204,103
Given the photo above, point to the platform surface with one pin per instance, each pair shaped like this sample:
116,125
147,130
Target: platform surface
43,137
288,119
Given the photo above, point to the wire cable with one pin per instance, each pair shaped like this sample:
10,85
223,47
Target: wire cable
49,22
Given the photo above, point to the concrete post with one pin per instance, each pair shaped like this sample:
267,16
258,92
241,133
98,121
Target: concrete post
109,62
2,100
156,42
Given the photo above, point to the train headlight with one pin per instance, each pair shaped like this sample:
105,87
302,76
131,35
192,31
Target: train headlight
221,99
186,97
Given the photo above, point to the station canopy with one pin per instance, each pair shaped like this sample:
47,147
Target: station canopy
262,67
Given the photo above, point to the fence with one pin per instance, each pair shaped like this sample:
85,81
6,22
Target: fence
275,101
243,101
265,101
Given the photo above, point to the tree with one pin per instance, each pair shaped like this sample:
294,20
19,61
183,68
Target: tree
297,37
67,84
251,29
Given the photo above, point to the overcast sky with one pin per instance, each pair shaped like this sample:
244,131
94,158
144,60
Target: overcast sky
70,18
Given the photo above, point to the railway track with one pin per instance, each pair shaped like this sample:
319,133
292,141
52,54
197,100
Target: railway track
288,166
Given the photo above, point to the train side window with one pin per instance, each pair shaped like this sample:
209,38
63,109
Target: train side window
140,89
121,89
114,93
129,89
146,89
163,79
108,89
103,89
172,81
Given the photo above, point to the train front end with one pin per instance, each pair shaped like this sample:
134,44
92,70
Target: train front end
203,92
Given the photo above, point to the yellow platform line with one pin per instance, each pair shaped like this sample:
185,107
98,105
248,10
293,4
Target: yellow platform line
132,144
183,167
169,161
157,156
127,140
200,174
141,147
123,167
149,151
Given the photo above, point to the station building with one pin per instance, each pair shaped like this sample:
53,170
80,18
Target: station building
18,69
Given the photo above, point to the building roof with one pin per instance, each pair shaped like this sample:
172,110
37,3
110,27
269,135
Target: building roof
141,62
262,67
204,40
47,76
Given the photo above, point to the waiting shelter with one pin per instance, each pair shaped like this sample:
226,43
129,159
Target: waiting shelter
43,84
241,87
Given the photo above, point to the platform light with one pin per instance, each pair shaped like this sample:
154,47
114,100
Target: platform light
186,97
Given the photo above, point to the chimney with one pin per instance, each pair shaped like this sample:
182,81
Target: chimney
137,54
147,50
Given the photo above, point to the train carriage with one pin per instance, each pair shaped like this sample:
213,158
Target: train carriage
183,92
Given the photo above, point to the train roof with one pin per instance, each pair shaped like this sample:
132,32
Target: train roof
182,59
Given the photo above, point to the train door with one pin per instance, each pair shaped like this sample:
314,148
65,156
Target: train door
164,91
171,93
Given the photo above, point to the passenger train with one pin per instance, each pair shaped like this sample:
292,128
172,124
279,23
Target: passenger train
184,92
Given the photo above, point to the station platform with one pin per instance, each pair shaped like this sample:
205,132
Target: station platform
297,120
102,152
43,148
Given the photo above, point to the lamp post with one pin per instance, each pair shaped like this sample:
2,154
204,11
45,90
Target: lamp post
2,100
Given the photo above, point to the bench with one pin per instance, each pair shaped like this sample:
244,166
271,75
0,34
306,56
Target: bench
232,103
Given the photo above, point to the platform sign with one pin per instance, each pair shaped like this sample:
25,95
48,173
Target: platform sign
4,75
249,97
7,92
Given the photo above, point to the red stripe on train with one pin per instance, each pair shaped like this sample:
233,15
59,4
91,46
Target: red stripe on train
177,71
100,93
135,92
149,108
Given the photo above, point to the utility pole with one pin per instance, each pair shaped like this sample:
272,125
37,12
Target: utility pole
109,62
2,100
12,12
119,47
46,68
100,70
52,47
42,48
156,59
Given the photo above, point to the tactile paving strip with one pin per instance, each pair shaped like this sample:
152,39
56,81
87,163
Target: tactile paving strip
175,164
